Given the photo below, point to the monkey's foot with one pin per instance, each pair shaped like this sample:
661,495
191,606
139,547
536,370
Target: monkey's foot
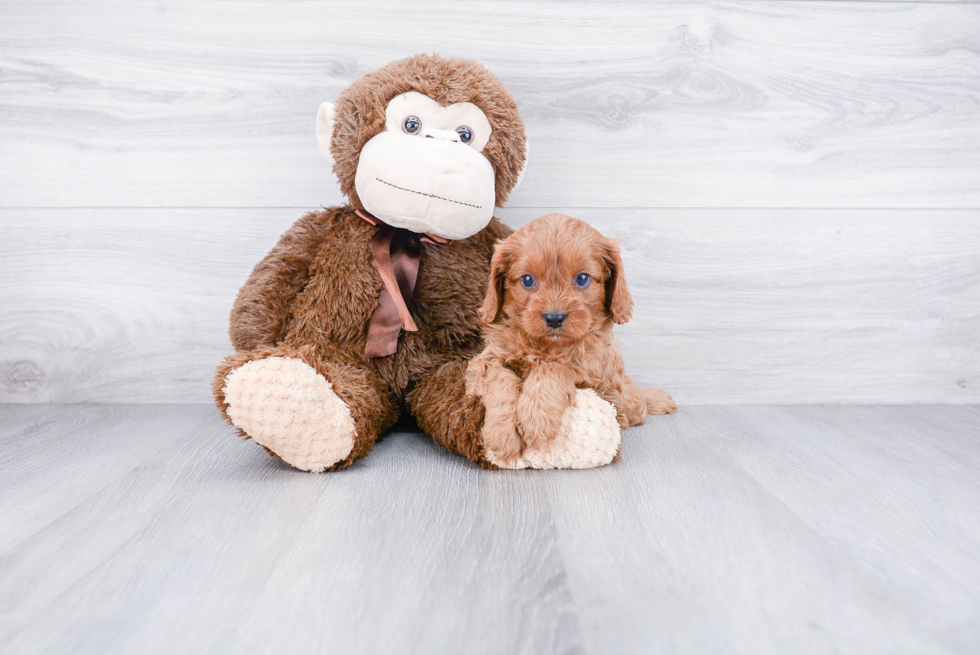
285,405
589,437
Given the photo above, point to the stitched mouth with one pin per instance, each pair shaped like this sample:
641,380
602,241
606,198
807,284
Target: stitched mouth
429,195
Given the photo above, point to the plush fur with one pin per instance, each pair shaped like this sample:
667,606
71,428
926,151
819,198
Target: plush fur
312,297
529,373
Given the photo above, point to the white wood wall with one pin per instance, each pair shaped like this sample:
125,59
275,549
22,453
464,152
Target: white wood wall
796,184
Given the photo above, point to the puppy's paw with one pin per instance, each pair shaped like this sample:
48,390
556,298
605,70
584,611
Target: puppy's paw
537,426
502,449
659,402
589,436
541,410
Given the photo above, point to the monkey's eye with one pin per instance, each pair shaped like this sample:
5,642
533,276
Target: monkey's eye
527,281
465,133
582,280
412,125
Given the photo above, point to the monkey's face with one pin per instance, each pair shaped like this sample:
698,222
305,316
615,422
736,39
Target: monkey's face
425,171
426,143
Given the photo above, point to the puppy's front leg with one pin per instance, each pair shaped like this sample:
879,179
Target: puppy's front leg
548,390
499,388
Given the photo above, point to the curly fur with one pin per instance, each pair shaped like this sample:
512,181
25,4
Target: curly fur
528,373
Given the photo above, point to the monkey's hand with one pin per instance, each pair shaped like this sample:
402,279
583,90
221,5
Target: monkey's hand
548,390
499,388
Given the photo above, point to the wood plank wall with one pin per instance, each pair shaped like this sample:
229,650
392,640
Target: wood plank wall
796,184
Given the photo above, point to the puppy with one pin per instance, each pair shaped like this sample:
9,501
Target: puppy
556,289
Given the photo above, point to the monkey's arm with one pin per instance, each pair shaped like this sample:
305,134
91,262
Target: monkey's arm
258,317
549,389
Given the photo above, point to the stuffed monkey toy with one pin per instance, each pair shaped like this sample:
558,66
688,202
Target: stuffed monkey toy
369,309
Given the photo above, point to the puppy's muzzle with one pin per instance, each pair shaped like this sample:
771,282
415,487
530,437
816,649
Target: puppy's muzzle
555,319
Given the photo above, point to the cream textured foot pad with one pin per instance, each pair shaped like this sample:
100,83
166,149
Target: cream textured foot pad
589,437
289,408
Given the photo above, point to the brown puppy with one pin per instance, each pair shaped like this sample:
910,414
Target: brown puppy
556,288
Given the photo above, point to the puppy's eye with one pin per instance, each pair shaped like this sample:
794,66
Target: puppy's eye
465,133
527,281
412,125
582,280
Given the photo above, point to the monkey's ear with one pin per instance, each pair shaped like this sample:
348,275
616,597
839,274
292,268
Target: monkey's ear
324,130
527,154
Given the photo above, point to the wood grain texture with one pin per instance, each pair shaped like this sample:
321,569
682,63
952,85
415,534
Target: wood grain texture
206,544
775,530
732,306
628,104
738,530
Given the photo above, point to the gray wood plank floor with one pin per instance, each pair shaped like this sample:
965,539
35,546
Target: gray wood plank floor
153,529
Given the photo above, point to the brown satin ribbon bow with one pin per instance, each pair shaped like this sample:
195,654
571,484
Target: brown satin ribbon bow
396,254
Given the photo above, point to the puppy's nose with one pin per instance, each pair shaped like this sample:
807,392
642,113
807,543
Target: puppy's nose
555,319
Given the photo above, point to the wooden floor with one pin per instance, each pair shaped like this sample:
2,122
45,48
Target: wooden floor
152,529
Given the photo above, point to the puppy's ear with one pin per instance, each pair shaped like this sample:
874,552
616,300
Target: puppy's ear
619,302
493,304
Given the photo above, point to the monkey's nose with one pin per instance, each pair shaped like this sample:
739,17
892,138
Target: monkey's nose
555,319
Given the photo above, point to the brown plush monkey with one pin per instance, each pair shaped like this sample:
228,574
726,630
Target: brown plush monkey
369,309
